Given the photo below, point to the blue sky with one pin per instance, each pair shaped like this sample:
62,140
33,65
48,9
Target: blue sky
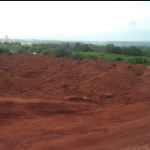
73,20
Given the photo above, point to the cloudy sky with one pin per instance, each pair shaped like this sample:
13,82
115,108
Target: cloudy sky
86,21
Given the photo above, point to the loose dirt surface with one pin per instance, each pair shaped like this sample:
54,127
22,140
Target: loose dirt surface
54,103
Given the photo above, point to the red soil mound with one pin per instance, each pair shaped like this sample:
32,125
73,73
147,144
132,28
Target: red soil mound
39,76
51,103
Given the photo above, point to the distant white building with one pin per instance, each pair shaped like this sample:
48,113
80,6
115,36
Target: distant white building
6,38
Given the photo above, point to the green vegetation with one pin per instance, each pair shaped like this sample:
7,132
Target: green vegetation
5,51
81,51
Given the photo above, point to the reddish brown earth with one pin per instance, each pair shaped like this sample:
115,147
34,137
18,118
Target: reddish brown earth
54,103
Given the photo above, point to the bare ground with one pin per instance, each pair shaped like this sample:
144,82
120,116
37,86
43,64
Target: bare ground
31,125
48,103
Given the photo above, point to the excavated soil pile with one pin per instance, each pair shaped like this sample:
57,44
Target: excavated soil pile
38,76
54,103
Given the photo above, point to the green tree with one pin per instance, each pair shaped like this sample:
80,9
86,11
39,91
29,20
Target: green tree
116,50
34,45
60,52
66,46
108,47
86,48
5,51
45,52
135,51
77,46
144,53
20,51
78,56
6,43
17,43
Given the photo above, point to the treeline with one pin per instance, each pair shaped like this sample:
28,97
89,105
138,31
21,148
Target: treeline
63,48
59,50
81,51
130,50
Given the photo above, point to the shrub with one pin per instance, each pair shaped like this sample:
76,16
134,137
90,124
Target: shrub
91,57
118,59
78,56
45,52
145,61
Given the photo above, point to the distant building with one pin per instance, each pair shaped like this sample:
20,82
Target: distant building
6,38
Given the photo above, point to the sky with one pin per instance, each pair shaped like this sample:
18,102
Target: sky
76,20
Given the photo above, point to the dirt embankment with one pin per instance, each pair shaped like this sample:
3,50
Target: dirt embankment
34,76
58,103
